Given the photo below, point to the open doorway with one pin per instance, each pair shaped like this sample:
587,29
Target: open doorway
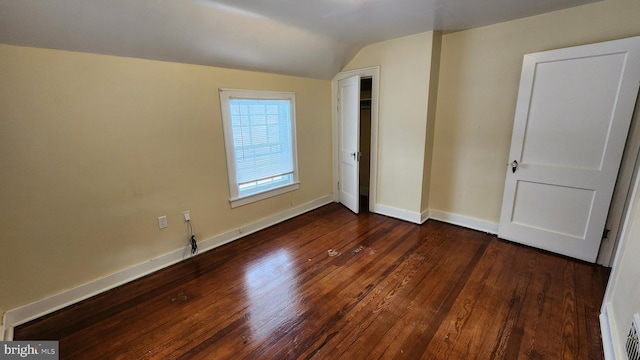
364,182
365,141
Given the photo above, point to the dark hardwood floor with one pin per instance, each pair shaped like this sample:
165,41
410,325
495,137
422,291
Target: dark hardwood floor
333,285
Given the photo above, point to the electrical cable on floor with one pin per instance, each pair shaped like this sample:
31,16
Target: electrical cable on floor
192,239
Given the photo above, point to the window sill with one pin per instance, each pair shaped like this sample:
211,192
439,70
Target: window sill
263,195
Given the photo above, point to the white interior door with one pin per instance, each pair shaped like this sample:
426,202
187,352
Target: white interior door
349,141
572,117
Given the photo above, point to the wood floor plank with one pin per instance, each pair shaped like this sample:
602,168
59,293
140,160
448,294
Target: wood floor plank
330,284
476,318
441,272
352,288
366,308
544,292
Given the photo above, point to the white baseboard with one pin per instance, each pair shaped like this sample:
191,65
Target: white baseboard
26,313
401,214
607,339
420,218
612,350
424,216
464,221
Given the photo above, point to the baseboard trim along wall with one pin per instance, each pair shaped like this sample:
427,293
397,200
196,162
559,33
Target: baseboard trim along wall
26,313
424,216
420,218
396,213
464,221
607,328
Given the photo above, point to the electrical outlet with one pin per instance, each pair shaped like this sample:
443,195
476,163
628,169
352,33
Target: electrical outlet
187,216
162,222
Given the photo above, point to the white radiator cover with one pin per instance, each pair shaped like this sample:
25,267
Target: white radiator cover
632,345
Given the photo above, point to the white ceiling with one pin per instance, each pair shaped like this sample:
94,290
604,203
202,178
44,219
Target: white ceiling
313,38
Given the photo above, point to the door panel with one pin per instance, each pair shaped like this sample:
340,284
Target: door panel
572,117
578,108
349,139
568,208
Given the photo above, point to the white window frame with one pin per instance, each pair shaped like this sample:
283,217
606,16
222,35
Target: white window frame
238,197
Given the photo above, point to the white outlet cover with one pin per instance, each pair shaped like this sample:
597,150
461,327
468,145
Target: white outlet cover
162,222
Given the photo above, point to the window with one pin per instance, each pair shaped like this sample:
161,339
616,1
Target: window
260,141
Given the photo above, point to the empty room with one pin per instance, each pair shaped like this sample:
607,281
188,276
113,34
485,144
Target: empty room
328,179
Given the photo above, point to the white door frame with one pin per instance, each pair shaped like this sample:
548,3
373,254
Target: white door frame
374,74
622,192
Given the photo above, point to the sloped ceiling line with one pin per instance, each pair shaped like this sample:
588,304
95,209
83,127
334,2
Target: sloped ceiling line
310,38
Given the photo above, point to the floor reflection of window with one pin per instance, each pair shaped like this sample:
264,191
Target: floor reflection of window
272,293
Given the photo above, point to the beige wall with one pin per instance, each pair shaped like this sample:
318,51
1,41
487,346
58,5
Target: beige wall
94,148
404,90
479,78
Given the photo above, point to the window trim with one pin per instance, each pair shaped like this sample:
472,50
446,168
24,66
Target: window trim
236,199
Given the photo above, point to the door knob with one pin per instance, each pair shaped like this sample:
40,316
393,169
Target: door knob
514,165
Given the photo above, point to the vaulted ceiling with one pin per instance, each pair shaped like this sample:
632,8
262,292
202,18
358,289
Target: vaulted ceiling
312,38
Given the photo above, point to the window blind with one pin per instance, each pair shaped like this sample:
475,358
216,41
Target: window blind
262,145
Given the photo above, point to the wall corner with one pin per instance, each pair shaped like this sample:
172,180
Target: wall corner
432,101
